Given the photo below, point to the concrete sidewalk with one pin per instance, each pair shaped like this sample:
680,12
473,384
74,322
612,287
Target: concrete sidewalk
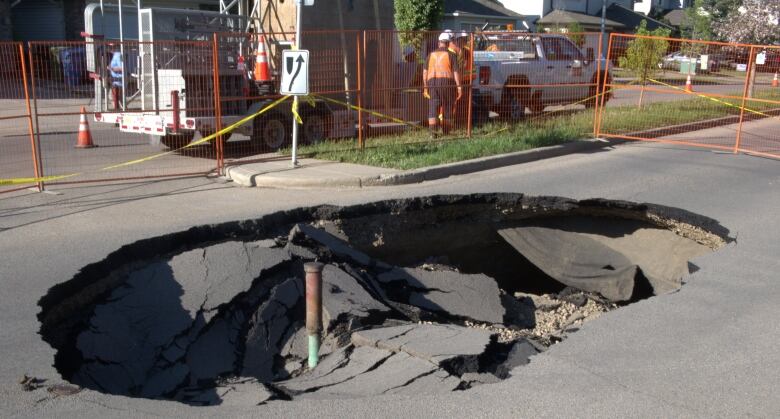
279,173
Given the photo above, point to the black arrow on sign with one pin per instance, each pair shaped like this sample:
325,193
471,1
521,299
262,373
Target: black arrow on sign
297,71
290,64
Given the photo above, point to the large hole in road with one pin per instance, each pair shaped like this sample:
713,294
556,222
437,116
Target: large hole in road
432,294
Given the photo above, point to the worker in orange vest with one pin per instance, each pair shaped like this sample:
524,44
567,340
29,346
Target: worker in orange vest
441,78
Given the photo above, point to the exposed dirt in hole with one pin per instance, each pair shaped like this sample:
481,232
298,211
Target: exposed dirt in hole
431,294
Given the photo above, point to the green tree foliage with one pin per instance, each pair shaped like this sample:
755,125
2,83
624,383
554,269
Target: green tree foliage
644,55
698,22
412,16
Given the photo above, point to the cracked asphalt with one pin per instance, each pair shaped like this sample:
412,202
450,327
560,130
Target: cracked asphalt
709,350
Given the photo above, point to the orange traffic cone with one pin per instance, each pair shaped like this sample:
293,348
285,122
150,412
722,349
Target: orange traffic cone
85,137
261,62
775,83
688,84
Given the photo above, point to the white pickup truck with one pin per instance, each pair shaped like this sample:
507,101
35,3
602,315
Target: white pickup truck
515,71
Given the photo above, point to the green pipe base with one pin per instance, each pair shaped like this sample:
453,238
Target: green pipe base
314,351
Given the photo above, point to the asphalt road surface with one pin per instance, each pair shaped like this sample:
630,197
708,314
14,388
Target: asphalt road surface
709,350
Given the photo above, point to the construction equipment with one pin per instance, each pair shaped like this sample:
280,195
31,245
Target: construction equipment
161,62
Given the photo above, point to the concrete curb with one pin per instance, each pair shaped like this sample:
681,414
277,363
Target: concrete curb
251,178
484,163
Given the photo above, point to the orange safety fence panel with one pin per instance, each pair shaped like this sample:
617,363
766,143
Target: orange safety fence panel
693,93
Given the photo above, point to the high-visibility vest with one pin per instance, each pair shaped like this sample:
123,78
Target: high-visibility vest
440,65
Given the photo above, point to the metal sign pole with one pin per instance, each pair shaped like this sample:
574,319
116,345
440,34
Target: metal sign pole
122,54
298,5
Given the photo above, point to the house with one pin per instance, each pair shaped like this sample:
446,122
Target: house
659,7
469,15
541,8
619,19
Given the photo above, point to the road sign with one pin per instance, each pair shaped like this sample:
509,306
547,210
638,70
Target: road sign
295,73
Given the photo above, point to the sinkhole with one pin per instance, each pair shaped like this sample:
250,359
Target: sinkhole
420,295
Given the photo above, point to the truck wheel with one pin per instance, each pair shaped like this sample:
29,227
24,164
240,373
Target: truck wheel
592,98
514,102
314,128
176,141
536,107
270,132
516,107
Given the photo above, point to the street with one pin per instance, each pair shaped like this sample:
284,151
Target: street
702,352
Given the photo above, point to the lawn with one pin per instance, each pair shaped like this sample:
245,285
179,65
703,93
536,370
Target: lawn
414,149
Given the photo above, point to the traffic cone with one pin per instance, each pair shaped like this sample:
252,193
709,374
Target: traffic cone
688,84
85,137
261,62
775,83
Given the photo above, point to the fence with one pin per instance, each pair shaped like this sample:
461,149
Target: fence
146,101
695,93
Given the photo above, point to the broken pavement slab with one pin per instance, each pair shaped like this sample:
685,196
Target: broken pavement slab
435,343
214,275
344,298
354,372
476,297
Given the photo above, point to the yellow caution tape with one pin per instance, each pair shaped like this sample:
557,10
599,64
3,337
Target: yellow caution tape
226,130
28,180
377,114
296,115
716,100
223,131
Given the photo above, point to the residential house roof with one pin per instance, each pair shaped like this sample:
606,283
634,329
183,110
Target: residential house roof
478,7
676,17
631,19
563,17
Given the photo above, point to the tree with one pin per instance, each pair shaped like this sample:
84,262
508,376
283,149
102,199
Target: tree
698,22
754,22
644,55
412,16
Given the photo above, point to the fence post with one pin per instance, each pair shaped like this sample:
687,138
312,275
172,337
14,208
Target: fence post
33,144
744,100
37,127
604,93
361,87
360,91
599,88
217,106
470,85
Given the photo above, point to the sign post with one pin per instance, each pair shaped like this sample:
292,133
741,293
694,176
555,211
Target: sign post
298,5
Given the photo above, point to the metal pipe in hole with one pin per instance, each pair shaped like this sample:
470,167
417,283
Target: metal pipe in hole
313,309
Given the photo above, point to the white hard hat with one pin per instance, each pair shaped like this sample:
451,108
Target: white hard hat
463,35
445,36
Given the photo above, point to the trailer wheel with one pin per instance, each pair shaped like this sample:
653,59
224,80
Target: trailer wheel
270,132
206,133
176,141
314,128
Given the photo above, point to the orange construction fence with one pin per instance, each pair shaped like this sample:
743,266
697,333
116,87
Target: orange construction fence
154,107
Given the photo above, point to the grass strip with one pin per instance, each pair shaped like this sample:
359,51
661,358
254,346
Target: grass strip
414,149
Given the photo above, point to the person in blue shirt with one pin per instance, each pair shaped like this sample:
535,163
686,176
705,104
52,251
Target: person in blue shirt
116,68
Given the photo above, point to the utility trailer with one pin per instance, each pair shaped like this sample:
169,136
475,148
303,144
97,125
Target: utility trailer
168,86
